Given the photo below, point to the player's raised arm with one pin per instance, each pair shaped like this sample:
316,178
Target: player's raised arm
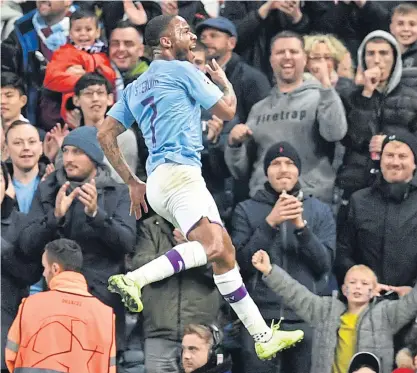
225,108
107,136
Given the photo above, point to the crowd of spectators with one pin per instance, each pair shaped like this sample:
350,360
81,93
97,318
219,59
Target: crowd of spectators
315,176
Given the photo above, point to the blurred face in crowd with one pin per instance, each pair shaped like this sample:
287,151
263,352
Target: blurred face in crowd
78,165
52,10
219,44
84,32
12,103
126,48
200,60
2,186
359,286
288,60
319,52
195,352
404,28
397,162
93,102
24,146
282,174
380,53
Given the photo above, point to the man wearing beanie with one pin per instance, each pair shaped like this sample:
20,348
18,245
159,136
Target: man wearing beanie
381,103
81,202
299,234
381,226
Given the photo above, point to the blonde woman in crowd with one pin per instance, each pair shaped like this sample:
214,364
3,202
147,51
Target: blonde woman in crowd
326,51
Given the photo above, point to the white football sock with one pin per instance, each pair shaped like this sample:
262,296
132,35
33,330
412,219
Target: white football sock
184,256
230,285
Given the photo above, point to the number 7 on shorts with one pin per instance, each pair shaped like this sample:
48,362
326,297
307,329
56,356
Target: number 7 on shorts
150,101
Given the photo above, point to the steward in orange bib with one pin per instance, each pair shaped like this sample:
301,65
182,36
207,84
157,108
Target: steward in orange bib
65,329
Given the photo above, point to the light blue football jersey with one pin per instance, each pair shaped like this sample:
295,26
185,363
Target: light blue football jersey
166,102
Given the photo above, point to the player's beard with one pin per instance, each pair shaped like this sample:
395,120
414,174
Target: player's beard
182,55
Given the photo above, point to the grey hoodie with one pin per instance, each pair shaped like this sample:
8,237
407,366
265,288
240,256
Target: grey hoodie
310,118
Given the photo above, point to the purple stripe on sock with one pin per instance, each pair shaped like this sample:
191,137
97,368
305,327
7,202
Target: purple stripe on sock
237,295
176,260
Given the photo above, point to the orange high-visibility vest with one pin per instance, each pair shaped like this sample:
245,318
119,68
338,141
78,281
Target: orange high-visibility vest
62,332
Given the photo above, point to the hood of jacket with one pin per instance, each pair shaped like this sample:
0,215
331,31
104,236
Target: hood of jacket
298,99
396,72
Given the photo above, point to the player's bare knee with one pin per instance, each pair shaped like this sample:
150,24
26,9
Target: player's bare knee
216,251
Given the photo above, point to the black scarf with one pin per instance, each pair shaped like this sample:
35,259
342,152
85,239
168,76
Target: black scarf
396,192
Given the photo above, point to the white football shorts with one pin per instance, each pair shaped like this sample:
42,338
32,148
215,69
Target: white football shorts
179,194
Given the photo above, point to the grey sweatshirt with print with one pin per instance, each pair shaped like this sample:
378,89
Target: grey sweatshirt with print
311,118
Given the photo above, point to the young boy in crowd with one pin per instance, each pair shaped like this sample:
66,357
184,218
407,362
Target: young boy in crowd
13,99
342,330
84,53
404,28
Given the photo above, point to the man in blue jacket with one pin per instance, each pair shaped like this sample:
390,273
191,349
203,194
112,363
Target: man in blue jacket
299,234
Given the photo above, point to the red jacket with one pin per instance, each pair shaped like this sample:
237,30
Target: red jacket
58,80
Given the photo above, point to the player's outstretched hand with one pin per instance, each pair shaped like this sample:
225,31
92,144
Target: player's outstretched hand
217,73
137,190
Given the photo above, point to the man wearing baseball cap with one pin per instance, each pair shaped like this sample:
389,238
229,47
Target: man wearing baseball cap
364,362
219,35
299,233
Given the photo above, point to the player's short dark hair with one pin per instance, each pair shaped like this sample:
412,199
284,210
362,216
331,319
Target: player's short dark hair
12,80
288,35
90,79
66,253
81,14
18,123
155,28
